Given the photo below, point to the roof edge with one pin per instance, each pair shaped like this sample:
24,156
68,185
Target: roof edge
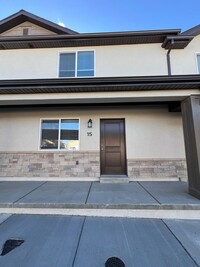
103,80
23,15
86,39
177,42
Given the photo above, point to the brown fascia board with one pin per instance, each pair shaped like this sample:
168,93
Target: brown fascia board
162,33
22,16
177,42
85,39
105,84
139,33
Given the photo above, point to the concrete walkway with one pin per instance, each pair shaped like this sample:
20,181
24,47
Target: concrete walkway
164,200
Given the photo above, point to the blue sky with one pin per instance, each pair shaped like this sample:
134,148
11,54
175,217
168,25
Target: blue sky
111,15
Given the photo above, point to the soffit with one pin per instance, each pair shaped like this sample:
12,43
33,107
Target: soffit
93,39
176,42
106,84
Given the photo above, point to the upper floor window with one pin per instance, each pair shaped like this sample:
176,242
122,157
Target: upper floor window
60,134
198,62
77,64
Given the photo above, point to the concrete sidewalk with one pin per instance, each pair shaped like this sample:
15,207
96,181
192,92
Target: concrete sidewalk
162,200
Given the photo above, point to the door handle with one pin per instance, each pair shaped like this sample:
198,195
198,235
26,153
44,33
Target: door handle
101,147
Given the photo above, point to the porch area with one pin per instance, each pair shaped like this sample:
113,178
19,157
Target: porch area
161,200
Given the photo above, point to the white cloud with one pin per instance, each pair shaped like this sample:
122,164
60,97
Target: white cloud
61,24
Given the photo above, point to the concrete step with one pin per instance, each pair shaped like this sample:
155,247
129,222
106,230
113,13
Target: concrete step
114,179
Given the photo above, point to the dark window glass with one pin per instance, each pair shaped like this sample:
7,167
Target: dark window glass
67,65
85,63
68,130
69,134
50,130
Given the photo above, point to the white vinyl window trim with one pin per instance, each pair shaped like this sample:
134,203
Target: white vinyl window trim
59,134
198,62
76,64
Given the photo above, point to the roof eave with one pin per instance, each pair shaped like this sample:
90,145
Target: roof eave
94,39
177,42
105,84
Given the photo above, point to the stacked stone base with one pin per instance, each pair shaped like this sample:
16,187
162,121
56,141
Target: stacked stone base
69,164
157,168
50,164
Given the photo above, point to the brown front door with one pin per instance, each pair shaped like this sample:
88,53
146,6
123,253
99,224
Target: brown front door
112,147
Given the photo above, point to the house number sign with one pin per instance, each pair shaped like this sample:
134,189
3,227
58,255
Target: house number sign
89,133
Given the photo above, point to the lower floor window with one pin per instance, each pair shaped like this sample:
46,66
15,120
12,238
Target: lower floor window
60,134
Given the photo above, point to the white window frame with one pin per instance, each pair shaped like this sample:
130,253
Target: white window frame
57,149
76,62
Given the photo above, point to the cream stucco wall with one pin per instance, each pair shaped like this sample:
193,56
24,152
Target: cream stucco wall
124,60
28,64
150,132
184,61
131,60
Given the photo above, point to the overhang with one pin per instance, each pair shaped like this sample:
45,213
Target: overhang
84,39
177,42
100,84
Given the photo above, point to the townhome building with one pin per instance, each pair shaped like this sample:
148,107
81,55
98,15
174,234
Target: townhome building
120,106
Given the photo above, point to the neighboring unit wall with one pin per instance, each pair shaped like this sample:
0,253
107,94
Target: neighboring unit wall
183,61
154,141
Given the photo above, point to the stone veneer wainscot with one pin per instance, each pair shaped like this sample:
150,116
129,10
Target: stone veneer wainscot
50,164
157,168
83,164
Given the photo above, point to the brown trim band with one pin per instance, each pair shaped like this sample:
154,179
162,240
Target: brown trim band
105,84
